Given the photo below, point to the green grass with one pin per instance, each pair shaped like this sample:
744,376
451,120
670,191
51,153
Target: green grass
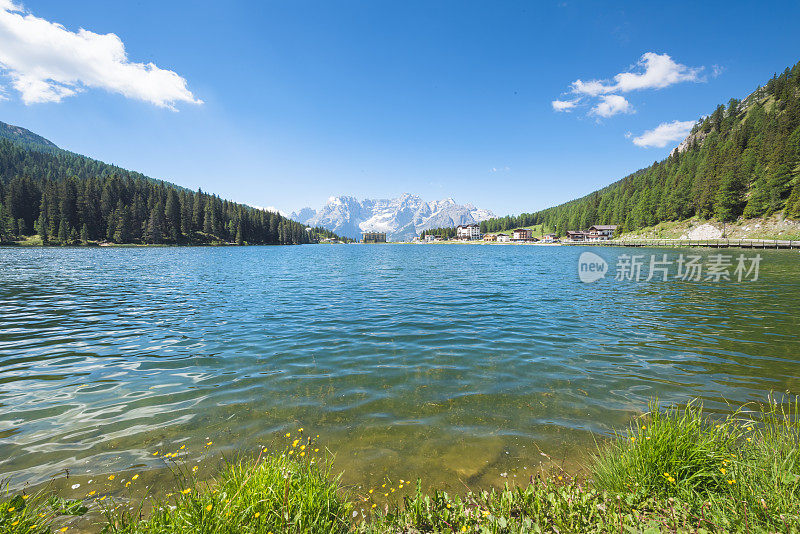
740,473
674,469
25,513
274,493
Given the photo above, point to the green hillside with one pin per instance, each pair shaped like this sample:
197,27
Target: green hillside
743,160
66,198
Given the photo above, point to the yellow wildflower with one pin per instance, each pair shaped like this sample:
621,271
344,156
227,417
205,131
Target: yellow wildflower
288,435
209,507
92,493
15,523
111,477
371,491
257,514
210,443
12,509
182,447
25,497
722,470
134,477
295,442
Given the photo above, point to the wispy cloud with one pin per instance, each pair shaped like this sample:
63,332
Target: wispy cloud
664,133
611,105
47,63
565,105
652,71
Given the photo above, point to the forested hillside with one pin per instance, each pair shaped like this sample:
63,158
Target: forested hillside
743,160
69,199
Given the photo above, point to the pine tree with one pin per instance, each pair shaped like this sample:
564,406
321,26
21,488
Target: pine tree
154,232
63,231
173,215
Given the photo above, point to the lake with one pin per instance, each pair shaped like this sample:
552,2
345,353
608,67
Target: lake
464,365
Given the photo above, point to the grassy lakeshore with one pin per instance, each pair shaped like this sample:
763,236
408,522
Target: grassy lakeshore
672,470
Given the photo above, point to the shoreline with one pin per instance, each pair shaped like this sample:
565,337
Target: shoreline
674,468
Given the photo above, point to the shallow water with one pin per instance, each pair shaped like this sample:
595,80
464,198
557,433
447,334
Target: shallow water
460,364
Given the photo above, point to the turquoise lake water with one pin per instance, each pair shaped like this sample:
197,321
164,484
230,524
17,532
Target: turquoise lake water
459,364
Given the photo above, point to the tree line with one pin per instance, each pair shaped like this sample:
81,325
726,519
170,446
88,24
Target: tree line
70,199
743,160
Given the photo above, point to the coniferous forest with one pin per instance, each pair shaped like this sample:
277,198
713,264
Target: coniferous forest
67,198
743,160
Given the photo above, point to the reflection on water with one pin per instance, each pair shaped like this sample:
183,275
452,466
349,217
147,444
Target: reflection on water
458,363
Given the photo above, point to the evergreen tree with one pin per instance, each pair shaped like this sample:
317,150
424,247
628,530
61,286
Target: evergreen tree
63,231
173,215
154,232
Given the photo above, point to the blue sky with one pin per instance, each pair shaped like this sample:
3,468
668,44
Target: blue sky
287,103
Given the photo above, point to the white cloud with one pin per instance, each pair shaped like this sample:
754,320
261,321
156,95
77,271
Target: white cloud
46,63
652,71
564,105
591,88
611,105
660,71
664,133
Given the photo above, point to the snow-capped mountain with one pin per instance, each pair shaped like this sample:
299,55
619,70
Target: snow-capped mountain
401,218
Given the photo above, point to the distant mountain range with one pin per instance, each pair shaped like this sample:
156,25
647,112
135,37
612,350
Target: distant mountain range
401,218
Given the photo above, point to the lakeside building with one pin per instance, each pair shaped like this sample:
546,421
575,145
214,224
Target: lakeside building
601,232
522,234
598,232
549,238
468,232
503,238
374,237
490,237
576,235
